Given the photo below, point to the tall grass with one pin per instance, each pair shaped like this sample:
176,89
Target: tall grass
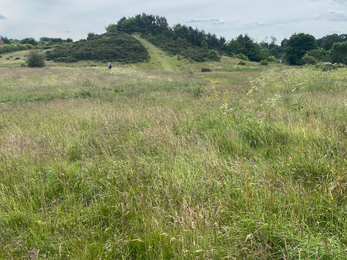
139,167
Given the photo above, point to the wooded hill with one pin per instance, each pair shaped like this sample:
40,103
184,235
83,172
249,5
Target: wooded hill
200,46
186,42
110,46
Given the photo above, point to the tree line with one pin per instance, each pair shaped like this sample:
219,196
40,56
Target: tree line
200,46
292,50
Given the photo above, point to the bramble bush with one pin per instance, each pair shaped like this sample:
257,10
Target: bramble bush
264,62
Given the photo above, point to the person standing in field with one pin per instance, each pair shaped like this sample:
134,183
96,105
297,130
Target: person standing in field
109,66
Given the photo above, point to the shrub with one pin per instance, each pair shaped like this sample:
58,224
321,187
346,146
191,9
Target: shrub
36,59
338,52
205,70
241,56
213,55
307,59
319,54
272,59
264,62
241,63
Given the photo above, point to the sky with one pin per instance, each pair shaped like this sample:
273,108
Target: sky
228,18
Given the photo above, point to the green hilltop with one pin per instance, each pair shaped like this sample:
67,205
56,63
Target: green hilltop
115,46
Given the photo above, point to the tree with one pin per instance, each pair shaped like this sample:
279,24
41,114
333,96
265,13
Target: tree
31,41
36,59
297,46
338,52
6,40
204,44
111,27
250,48
232,47
319,54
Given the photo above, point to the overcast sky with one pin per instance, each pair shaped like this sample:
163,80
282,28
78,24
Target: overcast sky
228,18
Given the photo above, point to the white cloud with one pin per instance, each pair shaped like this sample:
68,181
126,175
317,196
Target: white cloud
259,23
334,31
208,20
2,17
280,26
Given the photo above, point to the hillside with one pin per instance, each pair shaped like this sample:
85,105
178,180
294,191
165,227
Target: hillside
112,46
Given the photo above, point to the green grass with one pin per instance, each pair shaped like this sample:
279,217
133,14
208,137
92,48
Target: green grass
141,164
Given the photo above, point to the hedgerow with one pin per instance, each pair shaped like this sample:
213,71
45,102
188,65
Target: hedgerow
17,47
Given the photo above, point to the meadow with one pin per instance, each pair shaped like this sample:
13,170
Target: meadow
153,164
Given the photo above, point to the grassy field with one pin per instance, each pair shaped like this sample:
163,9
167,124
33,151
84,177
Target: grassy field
140,163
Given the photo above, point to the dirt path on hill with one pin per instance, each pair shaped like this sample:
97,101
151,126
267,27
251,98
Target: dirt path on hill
157,55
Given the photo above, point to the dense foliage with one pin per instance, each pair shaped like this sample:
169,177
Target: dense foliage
5,39
157,25
197,45
338,52
55,40
112,46
245,45
31,41
16,47
172,40
297,46
150,25
328,41
36,59
183,48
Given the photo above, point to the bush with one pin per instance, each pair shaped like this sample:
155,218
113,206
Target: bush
213,55
241,63
205,70
338,52
272,59
319,54
36,59
241,56
264,62
308,59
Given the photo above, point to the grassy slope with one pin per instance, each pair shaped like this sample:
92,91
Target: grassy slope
157,56
134,164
